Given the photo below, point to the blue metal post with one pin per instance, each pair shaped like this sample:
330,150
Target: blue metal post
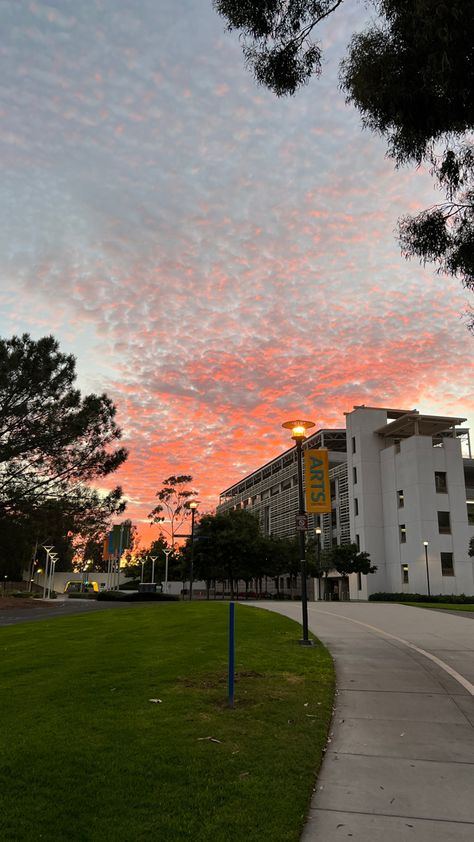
231,653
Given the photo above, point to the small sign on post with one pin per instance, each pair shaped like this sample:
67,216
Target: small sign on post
301,523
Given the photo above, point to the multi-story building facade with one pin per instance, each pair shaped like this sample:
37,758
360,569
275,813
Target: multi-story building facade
402,489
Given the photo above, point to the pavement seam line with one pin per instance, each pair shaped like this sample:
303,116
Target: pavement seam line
452,672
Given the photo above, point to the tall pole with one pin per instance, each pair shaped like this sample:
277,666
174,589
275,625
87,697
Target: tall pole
153,559
143,565
166,552
425,543
191,572
318,533
301,536
46,569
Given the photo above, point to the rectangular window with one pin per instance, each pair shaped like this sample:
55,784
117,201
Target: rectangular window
275,490
333,489
470,512
356,506
401,499
403,533
354,449
441,483
447,564
358,542
354,475
405,574
359,581
334,519
444,523
286,484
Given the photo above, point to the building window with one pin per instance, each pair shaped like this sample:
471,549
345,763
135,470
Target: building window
356,506
334,519
266,520
447,564
333,488
354,475
405,574
275,490
444,523
359,581
470,512
441,483
286,484
401,499
354,449
403,533
358,542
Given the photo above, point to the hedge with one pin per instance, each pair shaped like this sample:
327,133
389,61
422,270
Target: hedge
458,599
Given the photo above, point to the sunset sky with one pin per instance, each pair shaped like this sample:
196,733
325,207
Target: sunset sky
218,260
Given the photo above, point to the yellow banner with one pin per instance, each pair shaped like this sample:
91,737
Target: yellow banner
316,480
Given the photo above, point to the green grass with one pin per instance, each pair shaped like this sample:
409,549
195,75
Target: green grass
448,606
85,756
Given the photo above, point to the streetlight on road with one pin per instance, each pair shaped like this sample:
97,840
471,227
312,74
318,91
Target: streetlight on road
52,569
153,559
143,565
425,544
298,434
193,506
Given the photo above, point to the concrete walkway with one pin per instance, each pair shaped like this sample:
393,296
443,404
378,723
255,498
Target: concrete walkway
400,763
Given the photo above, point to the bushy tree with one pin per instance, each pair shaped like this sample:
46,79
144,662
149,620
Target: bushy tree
411,76
347,559
173,508
51,438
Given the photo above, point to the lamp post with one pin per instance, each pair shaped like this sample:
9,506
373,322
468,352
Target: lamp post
193,506
166,552
153,559
143,565
53,557
46,569
425,544
318,531
298,434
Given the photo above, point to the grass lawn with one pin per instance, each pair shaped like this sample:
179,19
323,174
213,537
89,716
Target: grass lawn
449,606
85,756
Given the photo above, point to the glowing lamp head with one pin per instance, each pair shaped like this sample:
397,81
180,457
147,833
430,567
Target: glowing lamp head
425,543
194,504
298,428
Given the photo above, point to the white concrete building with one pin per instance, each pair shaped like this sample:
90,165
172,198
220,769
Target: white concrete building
398,479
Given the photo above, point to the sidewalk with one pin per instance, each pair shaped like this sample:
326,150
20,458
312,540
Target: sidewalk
400,763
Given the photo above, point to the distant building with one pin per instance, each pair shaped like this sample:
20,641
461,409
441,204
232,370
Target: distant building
398,479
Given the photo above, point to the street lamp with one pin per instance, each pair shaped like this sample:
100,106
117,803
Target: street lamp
143,565
166,552
52,569
46,569
153,559
298,434
193,506
318,531
425,544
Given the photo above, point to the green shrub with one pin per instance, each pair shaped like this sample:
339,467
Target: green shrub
20,594
456,599
85,595
124,596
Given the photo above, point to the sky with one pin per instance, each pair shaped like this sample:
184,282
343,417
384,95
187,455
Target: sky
217,259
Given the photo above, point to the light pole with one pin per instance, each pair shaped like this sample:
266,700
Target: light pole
425,544
318,536
143,565
298,434
53,557
193,506
166,552
153,559
46,569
